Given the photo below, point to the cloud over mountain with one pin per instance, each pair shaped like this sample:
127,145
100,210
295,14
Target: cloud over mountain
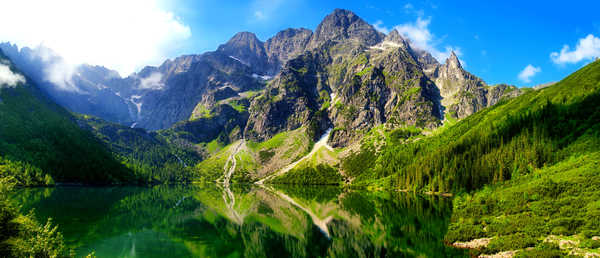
8,78
123,35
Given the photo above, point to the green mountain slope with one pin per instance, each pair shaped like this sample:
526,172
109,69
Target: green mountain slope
531,166
513,138
34,132
153,158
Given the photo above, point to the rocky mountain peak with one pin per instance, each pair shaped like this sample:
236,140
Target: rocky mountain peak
343,24
452,62
395,36
247,49
241,39
287,44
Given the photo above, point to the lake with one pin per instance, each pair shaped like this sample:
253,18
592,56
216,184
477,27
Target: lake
243,221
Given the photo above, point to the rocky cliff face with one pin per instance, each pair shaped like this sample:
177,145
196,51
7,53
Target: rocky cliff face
463,93
352,78
285,45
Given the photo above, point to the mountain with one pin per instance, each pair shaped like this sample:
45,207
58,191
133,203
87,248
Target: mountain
158,97
353,78
344,25
83,89
346,78
37,133
516,136
463,93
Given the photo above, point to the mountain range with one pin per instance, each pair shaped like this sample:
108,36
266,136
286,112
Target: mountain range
285,80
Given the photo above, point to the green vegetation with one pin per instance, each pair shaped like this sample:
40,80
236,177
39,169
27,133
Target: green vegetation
151,157
512,138
200,111
365,71
21,235
524,170
557,200
45,139
413,91
24,174
280,150
214,146
238,106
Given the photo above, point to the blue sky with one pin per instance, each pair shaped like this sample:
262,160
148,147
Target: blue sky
497,40
500,41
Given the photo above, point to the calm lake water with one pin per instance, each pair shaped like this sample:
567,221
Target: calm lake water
244,221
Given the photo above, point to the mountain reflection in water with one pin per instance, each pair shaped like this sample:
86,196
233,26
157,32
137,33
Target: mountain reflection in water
243,221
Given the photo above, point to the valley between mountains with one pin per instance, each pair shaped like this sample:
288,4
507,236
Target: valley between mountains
344,105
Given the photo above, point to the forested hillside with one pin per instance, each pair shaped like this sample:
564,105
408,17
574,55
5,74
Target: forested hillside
47,140
152,157
511,139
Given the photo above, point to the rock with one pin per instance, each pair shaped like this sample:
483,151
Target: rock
247,49
462,93
285,45
344,25
473,244
567,244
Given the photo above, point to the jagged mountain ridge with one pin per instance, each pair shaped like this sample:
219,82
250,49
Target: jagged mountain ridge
353,78
377,78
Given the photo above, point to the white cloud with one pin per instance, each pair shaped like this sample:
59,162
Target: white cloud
587,48
152,82
8,78
121,35
528,72
421,37
56,69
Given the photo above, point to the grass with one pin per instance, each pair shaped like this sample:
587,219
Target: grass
238,106
282,149
201,112
212,168
365,71
214,146
319,169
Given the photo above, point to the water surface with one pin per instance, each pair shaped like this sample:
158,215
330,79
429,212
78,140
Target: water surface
243,221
